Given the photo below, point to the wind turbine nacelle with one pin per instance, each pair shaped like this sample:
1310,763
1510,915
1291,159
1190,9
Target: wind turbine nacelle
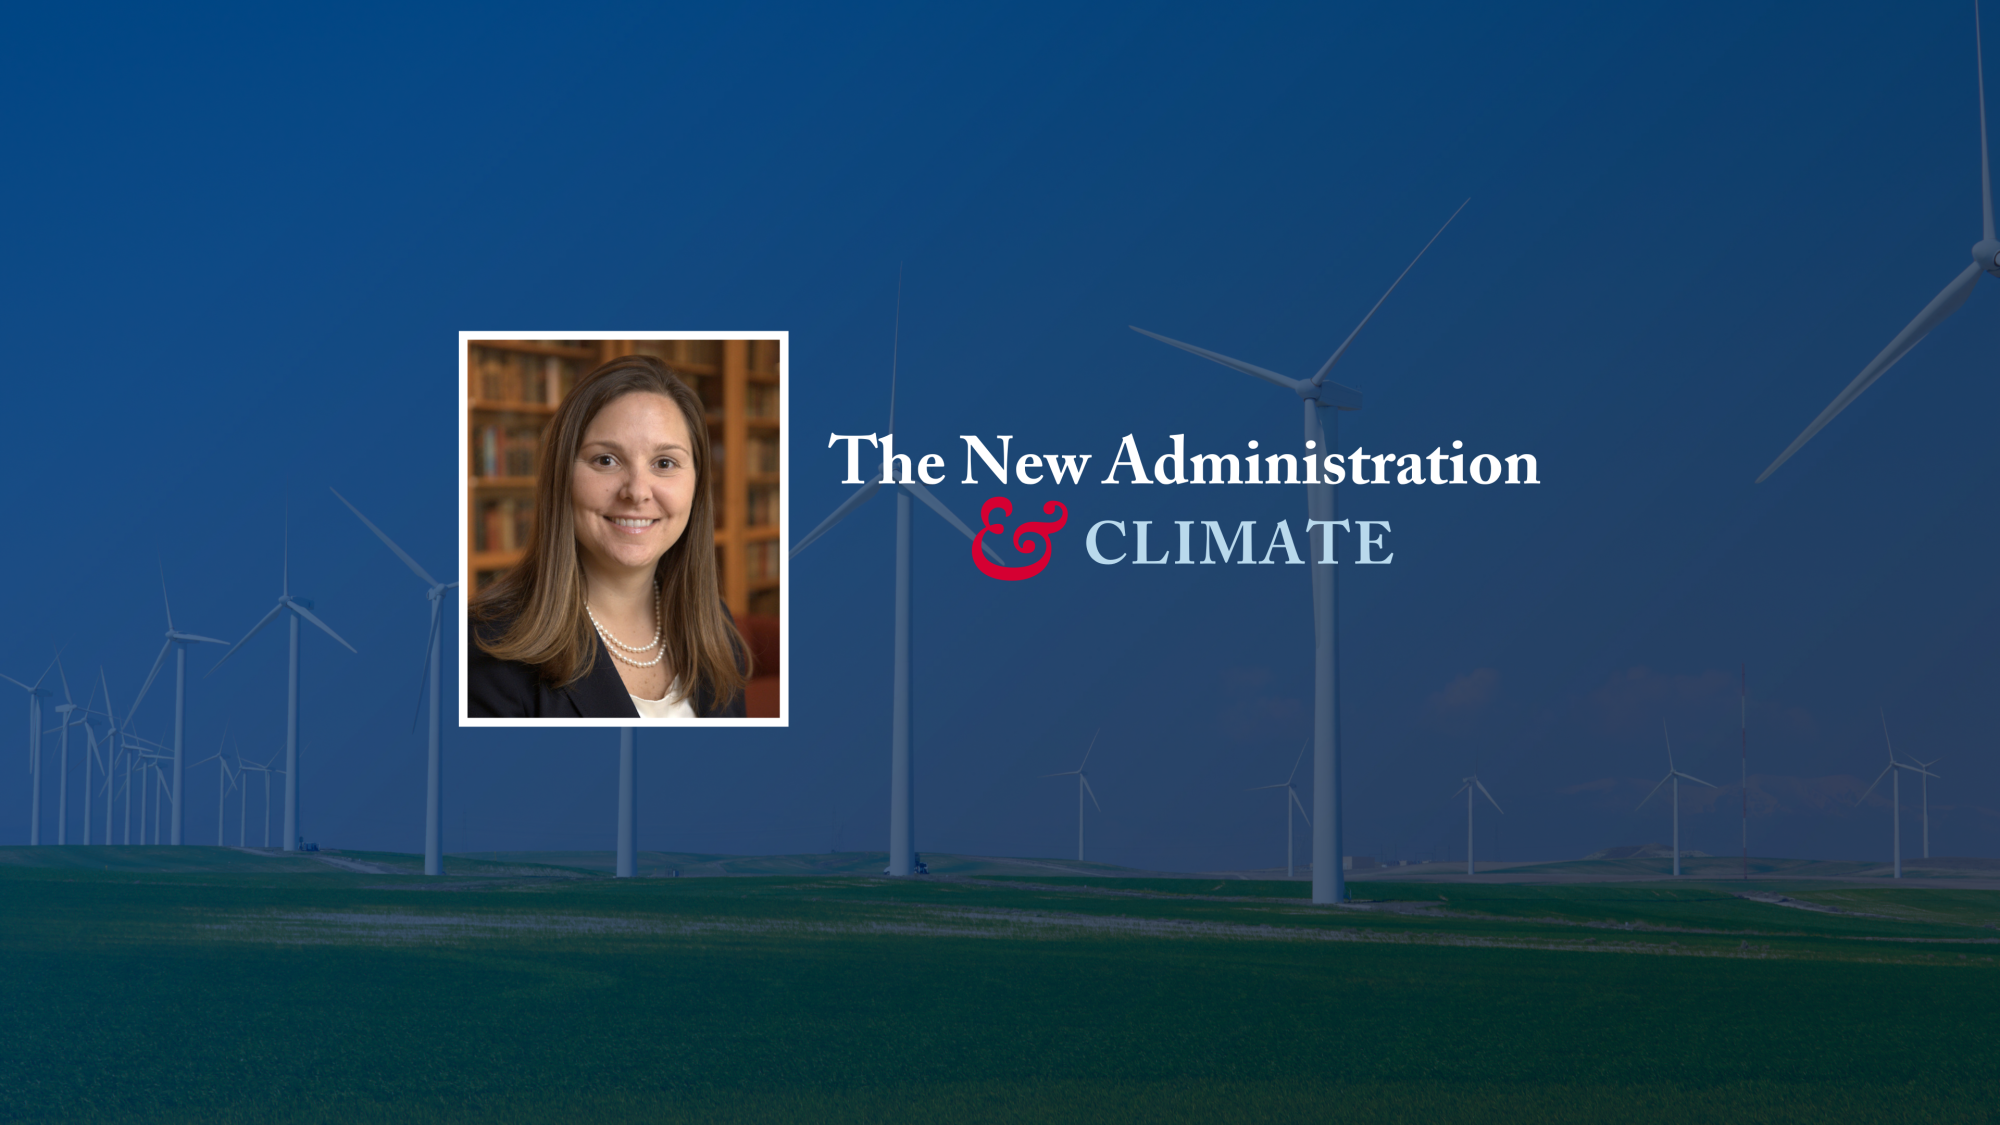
1987,253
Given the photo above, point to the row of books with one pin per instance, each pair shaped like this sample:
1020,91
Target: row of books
763,454
499,375
763,506
764,557
705,352
503,525
760,401
505,451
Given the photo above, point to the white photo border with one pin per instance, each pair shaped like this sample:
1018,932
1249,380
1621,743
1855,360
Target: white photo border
465,340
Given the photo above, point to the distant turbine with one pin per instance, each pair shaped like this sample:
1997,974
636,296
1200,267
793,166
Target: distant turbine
35,695
267,771
298,610
1291,799
1985,259
1322,426
902,799
1470,783
1082,787
1925,785
178,642
1890,771
67,709
221,777
111,752
1674,776
434,793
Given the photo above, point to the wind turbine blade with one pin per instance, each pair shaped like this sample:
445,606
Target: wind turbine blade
110,712
1696,780
1088,749
164,599
254,630
1302,808
150,676
1925,772
895,347
65,682
1278,785
859,498
53,661
1874,783
1296,761
1320,377
197,637
1461,789
1089,790
934,504
1268,376
1489,797
437,606
1649,794
308,615
1934,314
1670,745
16,683
386,541
1985,177
1065,773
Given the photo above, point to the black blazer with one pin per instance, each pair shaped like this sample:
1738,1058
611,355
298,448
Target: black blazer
509,689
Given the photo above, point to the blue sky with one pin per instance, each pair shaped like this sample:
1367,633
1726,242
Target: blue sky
242,243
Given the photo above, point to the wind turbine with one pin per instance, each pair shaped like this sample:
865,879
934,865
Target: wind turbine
1473,782
902,799
1985,259
177,642
35,695
221,776
298,610
1674,776
267,771
1082,787
434,794
1895,798
1925,785
1291,798
67,709
1321,398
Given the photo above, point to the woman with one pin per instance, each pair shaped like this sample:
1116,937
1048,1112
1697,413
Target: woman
623,550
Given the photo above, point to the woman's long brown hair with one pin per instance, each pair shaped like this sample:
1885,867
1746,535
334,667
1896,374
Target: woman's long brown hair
543,594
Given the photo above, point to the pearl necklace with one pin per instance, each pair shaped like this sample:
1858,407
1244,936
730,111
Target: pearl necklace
659,629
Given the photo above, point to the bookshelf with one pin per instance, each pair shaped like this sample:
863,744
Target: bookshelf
512,390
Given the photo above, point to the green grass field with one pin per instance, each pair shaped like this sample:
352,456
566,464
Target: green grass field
140,985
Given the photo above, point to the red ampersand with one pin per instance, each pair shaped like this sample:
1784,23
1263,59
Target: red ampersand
1045,528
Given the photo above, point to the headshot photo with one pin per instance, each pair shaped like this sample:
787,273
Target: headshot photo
623,513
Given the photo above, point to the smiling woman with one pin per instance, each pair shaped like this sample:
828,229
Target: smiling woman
613,611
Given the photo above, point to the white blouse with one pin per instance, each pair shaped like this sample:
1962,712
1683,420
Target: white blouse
673,706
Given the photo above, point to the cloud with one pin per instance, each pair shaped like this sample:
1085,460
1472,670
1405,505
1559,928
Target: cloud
1473,690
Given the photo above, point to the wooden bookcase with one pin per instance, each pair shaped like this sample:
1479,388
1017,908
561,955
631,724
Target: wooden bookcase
513,388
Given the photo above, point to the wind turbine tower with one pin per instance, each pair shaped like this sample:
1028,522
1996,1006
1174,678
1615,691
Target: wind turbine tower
297,610
1291,800
36,693
1892,772
1321,399
1925,786
434,791
1082,787
902,787
1472,783
177,642
1674,777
